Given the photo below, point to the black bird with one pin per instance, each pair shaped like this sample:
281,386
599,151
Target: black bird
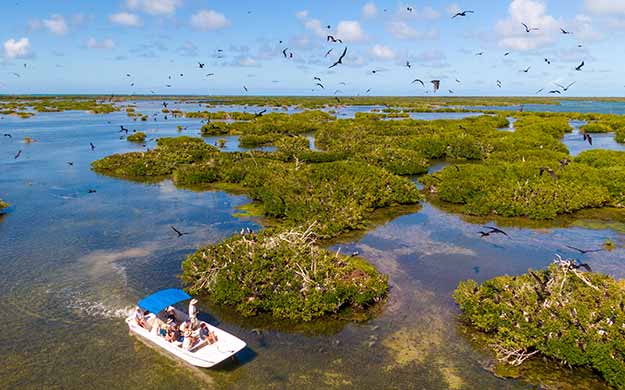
526,69
555,91
580,66
547,61
210,74
368,90
484,234
418,81
19,153
586,266
333,40
506,54
499,83
494,229
436,84
567,87
565,32
588,137
463,13
527,29
245,88
409,9
259,114
321,85
165,104
317,78
284,52
201,65
328,53
340,60
8,135
540,90
91,191
92,146
123,129
549,171
178,232
480,53
70,163
564,162
583,251
408,65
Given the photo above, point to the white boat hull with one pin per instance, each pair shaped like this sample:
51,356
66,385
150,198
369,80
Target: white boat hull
205,356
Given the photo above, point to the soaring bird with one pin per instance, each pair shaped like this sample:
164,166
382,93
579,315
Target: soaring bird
506,54
567,87
19,153
587,137
418,81
527,29
498,83
480,53
201,65
436,84
549,171
245,88
92,146
463,13
580,66
408,65
91,191
526,69
8,135
165,104
547,61
321,85
540,90
583,251
333,40
494,229
565,32
123,129
284,52
317,78
328,53
178,232
259,114
555,91
340,60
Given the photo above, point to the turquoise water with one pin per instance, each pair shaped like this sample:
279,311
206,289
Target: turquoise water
74,263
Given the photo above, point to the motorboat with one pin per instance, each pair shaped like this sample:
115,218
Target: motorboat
198,351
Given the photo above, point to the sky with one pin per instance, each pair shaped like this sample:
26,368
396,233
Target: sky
155,47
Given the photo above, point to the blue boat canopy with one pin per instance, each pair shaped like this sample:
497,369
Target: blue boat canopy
160,300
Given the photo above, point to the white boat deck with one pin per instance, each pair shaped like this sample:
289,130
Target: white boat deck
201,354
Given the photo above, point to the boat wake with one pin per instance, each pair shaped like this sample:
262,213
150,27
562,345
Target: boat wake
99,310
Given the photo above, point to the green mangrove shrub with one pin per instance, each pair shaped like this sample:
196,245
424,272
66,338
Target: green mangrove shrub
136,137
562,313
283,273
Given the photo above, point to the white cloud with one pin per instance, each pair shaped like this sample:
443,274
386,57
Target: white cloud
369,10
350,31
154,7
582,28
126,19
209,20
402,30
512,34
247,61
453,9
313,25
93,43
425,13
301,15
382,52
17,49
56,24
605,7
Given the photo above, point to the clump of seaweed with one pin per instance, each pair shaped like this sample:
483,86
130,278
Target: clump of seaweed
284,273
574,317
3,205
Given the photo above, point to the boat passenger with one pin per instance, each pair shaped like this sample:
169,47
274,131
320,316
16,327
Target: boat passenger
189,339
139,317
193,312
206,334
171,313
173,333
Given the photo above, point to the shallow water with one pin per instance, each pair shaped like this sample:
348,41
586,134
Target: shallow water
74,263
582,106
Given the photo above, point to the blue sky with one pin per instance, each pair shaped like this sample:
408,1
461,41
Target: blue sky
88,47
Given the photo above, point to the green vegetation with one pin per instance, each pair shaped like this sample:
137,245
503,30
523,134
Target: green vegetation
136,137
574,317
3,205
283,273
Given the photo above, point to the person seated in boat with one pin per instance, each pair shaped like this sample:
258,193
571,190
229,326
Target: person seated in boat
173,333
193,312
189,339
206,334
186,325
139,317
170,313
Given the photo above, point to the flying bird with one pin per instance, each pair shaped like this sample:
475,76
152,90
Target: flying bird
583,251
463,13
340,60
436,84
245,88
317,78
549,171
328,53
527,29
418,81
555,91
284,52
547,61
580,66
201,65
567,87
565,32
333,40
321,85
526,69
19,153
506,54
588,137
178,232
259,114
480,53
540,90
92,146
8,135
408,65
123,129
496,230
